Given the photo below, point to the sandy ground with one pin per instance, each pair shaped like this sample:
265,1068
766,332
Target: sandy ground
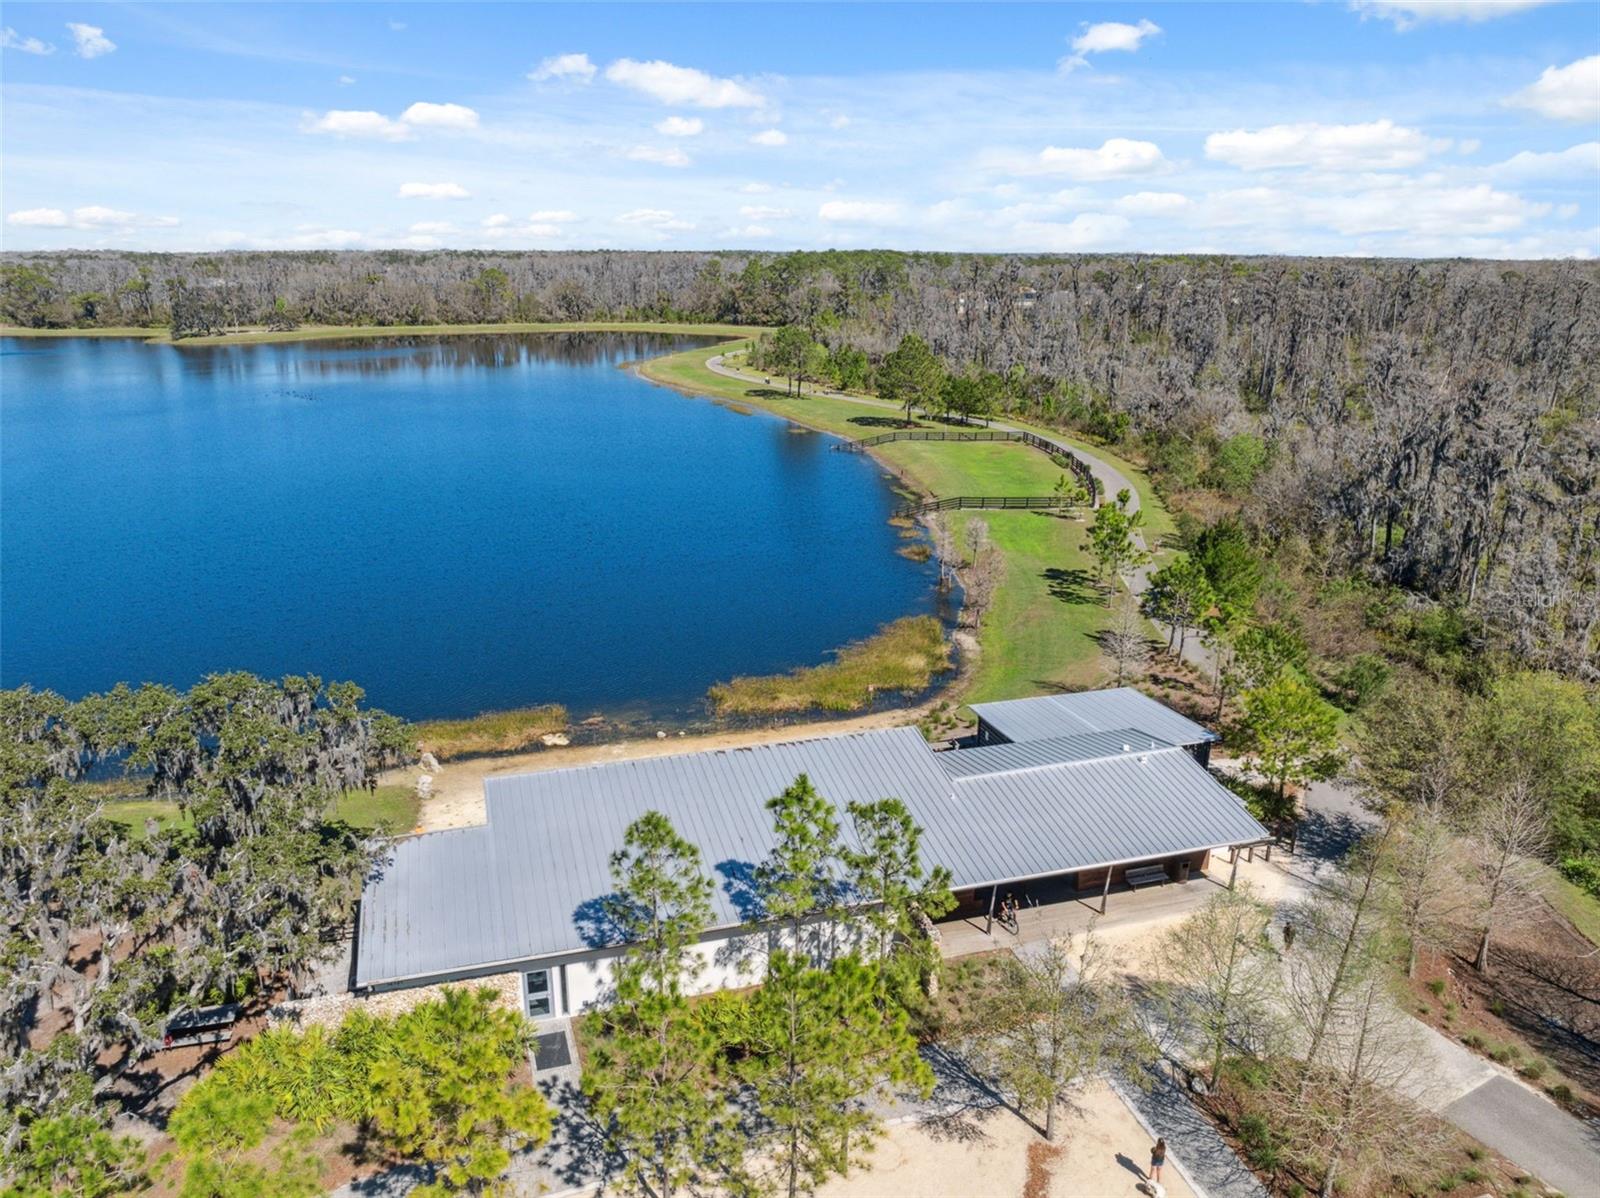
457,790
1100,1151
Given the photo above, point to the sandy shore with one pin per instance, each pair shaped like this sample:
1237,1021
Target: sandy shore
457,798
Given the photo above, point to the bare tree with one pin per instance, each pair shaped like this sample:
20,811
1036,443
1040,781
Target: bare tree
944,549
1123,645
1225,973
1510,834
981,578
1423,866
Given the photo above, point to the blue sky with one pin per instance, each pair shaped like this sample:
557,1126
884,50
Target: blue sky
1374,127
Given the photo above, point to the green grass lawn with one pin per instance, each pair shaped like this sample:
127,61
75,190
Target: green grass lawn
1582,909
1039,635
392,811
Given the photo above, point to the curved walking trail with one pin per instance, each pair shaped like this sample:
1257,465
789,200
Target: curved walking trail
1111,482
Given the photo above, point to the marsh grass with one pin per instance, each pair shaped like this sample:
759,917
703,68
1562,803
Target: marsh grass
491,732
901,656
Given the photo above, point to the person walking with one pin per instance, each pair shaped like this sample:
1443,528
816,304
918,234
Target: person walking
1158,1157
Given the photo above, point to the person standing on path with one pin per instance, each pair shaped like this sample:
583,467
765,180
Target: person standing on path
1158,1157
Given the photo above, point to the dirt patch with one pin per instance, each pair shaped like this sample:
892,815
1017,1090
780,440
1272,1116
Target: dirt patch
1042,1159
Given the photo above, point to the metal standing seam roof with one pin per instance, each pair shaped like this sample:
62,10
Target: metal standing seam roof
1049,717
526,884
1034,754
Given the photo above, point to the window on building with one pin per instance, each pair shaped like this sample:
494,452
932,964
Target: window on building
538,993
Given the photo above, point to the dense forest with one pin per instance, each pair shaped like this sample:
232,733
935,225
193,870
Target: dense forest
1431,425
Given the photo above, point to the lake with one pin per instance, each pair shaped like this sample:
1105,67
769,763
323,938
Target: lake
459,524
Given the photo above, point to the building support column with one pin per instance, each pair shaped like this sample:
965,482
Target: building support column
988,928
1233,855
1105,891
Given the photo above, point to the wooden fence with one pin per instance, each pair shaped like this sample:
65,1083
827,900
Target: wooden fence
1058,453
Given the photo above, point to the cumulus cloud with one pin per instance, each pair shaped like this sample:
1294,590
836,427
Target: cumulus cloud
839,122
681,126
1105,37
770,137
1408,14
756,189
433,191
559,216
672,84
759,212
1088,231
346,122
423,115
1153,203
660,220
660,155
863,212
1580,161
1403,207
1116,158
432,226
89,41
346,80
565,68
1569,93
10,39
1376,145
90,216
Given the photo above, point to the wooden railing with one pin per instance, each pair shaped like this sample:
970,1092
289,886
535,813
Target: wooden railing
992,503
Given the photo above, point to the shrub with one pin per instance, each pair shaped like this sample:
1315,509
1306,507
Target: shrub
1473,1040
1583,872
1260,1143
1535,1069
1437,987
1472,1176
1476,1152
1561,1092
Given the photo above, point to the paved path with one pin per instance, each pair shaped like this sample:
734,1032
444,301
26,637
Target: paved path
1478,1096
1193,1145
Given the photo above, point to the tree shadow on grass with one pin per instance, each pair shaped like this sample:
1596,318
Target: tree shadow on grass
1071,586
894,422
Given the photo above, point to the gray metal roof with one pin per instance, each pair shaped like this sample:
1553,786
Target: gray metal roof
525,884
1048,717
1033,754
528,883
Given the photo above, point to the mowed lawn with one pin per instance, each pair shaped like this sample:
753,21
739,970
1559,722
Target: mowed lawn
1040,633
391,810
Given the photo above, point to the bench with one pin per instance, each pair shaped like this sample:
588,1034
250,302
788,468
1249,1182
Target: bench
210,1025
1146,875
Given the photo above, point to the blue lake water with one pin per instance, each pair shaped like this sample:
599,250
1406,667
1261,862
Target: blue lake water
459,524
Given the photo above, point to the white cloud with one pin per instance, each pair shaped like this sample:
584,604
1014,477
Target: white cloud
346,122
1408,14
433,191
681,126
12,40
1569,93
770,137
752,231
38,218
660,155
1117,158
672,84
756,189
574,68
864,212
839,122
1580,161
1403,207
558,216
1090,230
1105,37
346,80
90,40
305,237
90,216
759,212
432,226
1153,203
1376,145
659,219
498,221
423,115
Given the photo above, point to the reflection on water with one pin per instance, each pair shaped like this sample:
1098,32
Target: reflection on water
458,523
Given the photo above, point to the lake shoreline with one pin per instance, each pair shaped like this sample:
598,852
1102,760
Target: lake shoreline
161,334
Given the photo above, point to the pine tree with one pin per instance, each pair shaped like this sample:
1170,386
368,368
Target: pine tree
650,1075
898,895
822,1047
799,883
